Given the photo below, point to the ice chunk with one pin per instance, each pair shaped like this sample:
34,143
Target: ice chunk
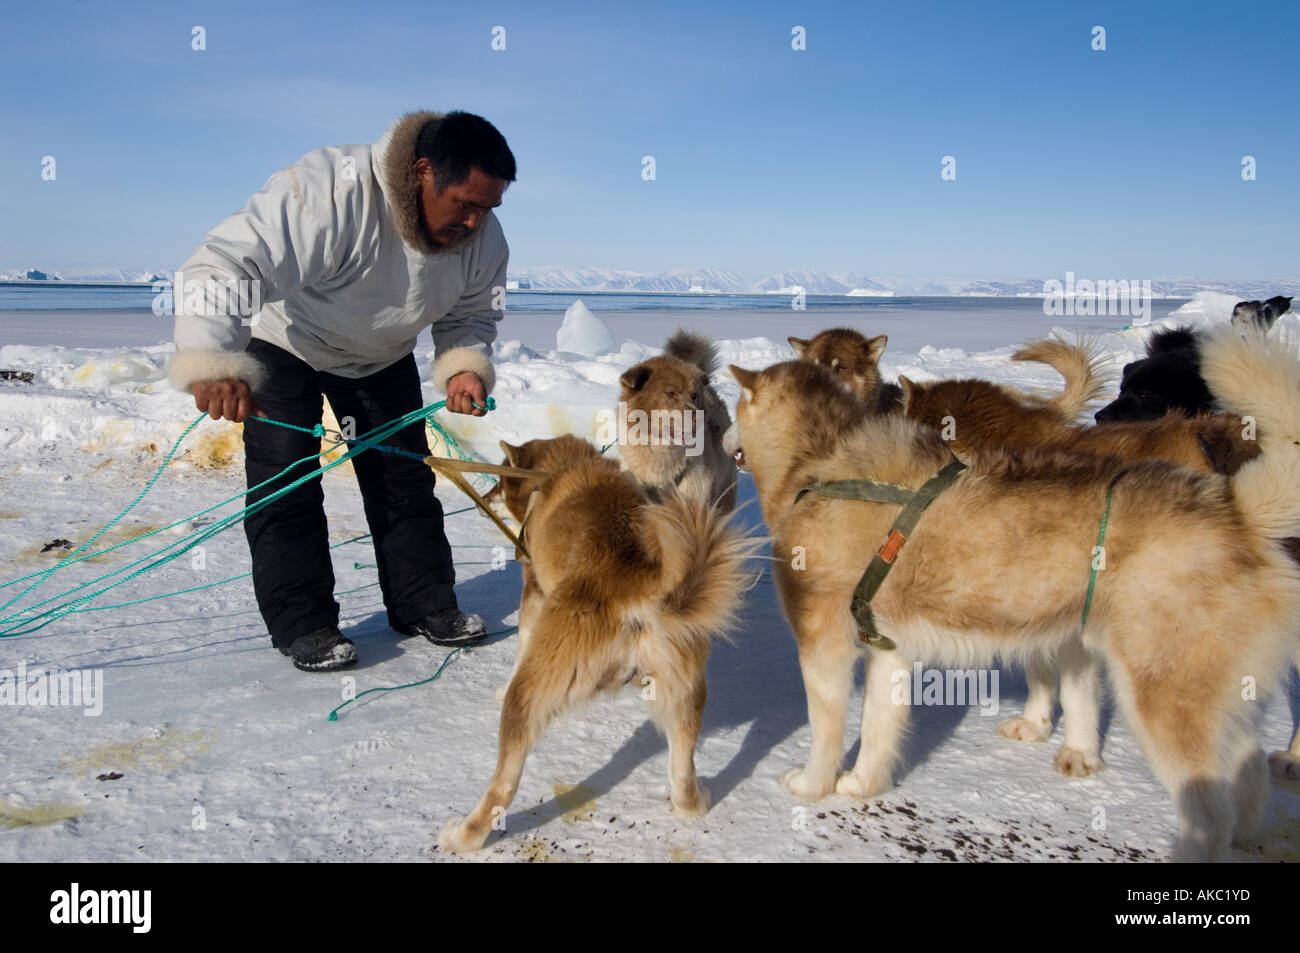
583,333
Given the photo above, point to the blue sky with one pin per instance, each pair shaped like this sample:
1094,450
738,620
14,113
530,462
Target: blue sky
1123,163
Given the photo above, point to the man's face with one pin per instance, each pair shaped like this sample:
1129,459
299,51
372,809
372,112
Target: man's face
452,215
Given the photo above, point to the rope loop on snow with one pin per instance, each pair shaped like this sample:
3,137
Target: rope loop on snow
27,620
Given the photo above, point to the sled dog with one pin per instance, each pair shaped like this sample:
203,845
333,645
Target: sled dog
617,589
1196,595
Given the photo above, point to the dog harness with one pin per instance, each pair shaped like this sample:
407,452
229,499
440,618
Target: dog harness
914,503
452,470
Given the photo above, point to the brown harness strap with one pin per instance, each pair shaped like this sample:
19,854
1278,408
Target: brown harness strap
452,470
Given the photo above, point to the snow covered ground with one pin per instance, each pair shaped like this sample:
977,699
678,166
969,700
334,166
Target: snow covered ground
211,746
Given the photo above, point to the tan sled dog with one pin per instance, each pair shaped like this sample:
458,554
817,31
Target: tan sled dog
983,415
674,388
855,358
617,590
1197,593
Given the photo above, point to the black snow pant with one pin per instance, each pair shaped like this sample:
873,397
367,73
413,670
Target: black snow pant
289,539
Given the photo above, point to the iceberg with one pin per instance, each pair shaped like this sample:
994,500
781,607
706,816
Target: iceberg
583,333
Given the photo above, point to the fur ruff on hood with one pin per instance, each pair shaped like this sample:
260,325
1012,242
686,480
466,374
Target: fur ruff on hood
401,184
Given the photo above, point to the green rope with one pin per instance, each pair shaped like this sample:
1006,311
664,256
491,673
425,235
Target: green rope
24,617
245,575
68,559
334,715
1101,539
186,543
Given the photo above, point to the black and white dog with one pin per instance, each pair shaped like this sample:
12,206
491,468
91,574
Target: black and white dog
1169,377
1262,314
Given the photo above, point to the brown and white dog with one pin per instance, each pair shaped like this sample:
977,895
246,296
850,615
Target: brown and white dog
1197,594
680,446
855,360
617,589
975,415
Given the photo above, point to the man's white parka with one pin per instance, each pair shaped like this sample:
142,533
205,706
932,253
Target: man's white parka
347,275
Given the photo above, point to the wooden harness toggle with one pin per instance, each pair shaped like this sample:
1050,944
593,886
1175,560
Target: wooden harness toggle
452,470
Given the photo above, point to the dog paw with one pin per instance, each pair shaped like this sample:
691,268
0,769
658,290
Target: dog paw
801,784
456,837
850,785
693,804
1025,729
1077,763
1284,764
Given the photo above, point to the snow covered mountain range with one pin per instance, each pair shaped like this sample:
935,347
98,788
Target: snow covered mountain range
727,281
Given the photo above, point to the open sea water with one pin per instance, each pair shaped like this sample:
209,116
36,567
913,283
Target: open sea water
122,316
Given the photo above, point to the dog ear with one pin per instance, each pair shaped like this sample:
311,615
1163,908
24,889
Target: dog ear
909,388
745,379
1172,339
799,344
511,452
874,347
634,378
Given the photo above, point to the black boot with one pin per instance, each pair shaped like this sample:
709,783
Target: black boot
324,650
448,627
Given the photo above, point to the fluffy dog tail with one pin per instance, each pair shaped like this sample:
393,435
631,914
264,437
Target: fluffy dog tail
694,349
1259,377
704,572
1080,365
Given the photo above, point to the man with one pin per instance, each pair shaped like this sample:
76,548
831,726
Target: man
354,250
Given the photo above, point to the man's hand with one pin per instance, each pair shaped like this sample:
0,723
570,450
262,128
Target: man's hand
464,388
230,399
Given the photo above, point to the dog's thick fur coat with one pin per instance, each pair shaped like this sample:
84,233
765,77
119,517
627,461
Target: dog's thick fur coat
618,589
855,360
1197,594
678,381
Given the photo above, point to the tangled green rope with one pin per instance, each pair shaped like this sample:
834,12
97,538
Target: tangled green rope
23,621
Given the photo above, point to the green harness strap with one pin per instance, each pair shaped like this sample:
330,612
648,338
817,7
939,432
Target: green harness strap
860,490
914,503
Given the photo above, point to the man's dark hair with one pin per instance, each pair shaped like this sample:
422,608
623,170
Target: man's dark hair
458,143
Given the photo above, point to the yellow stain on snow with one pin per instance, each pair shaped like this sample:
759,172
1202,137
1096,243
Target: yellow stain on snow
560,421
215,448
162,751
577,801
109,432
118,534
13,817
121,534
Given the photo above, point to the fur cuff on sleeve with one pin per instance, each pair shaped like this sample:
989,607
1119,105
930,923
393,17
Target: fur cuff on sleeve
459,359
189,367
